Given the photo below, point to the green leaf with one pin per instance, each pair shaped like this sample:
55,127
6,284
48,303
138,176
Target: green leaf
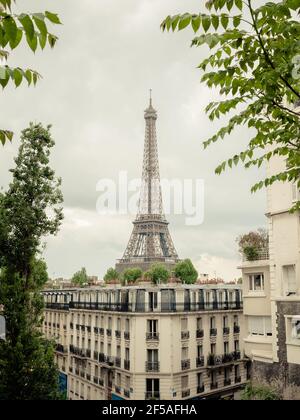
40,25
18,76
239,4
14,43
196,22
224,21
206,22
28,26
184,21
32,42
215,21
10,27
53,17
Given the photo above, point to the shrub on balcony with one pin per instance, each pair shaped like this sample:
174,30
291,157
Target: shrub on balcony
131,275
158,274
112,276
252,243
186,272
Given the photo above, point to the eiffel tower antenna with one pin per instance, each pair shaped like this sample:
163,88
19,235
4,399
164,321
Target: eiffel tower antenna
150,241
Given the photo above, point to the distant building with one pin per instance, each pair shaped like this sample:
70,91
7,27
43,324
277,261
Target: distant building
149,342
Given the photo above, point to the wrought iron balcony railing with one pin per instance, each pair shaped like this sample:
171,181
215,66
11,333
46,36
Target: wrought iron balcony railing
213,332
236,329
227,382
127,393
118,361
200,361
185,364
127,364
185,393
152,366
185,335
150,336
214,385
226,330
200,389
152,395
163,307
118,334
217,360
200,333
127,335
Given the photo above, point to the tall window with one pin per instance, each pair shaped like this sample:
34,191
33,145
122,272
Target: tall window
184,353
212,322
199,324
236,320
199,351
119,324
256,282
236,345
184,324
127,354
127,325
153,301
200,382
152,356
226,347
184,382
213,348
152,387
289,279
225,321
152,326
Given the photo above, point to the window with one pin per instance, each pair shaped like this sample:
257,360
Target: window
118,351
226,347
289,279
184,382
109,323
213,348
237,371
184,324
152,301
152,387
119,324
152,326
127,354
212,322
118,380
184,353
256,282
200,380
296,328
199,351
152,356
225,321
127,325
260,325
236,320
236,345
199,323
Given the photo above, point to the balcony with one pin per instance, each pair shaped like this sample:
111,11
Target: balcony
199,333
82,327
185,364
118,362
200,389
108,332
237,379
236,355
77,327
200,361
96,355
214,385
185,335
185,393
165,307
228,358
89,329
127,364
80,352
102,358
118,389
227,382
127,393
127,335
101,331
110,360
118,334
88,376
95,380
256,255
60,348
236,329
96,330
101,382
152,336
82,374
77,372
226,330
213,332
70,369
57,306
152,395
71,325
152,367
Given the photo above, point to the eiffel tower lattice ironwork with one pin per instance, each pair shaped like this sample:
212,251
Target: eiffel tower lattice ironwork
150,241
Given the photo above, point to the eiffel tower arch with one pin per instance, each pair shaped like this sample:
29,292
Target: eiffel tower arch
150,241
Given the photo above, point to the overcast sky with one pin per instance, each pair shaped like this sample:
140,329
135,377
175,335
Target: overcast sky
94,91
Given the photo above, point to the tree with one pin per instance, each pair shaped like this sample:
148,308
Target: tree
80,278
253,244
30,211
13,28
260,393
131,275
158,273
111,274
186,272
255,63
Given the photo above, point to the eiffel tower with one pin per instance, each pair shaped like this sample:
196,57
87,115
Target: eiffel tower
150,241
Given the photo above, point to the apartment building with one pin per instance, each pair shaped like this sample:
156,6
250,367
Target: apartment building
167,342
271,290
